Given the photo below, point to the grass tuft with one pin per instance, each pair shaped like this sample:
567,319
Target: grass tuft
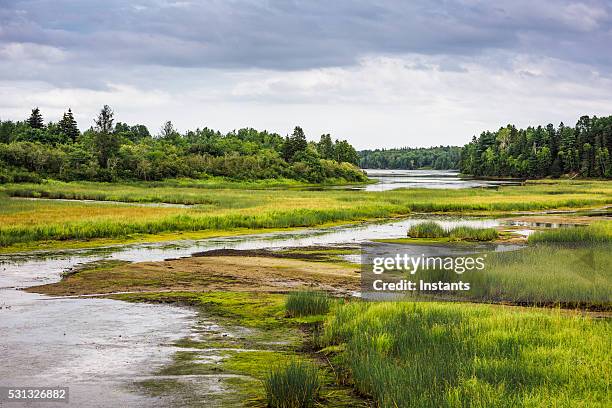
432,229
429,229
307,303
295,385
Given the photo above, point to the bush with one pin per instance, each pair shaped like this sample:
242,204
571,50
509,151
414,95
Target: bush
307,303
295,385
427,229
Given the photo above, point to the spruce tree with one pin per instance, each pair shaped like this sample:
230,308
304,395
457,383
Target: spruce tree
36,120
68,126
106,142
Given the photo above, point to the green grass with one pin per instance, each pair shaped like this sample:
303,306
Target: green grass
432,229
429,229
473,234
596,233
294,385
223,209
460,355
307,303
541,275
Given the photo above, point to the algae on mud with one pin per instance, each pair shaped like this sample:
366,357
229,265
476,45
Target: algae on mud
239,337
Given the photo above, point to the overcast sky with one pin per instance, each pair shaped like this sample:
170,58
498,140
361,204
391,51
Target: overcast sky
378,73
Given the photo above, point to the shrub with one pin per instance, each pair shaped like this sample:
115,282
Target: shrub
295,385
307,303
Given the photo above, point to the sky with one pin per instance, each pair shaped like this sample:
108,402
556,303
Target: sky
387,73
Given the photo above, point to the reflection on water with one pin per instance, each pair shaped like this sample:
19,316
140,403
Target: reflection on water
393,179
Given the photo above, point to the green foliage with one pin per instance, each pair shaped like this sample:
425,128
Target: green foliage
439,158
68,126
294,385
35,121
307,303
542,151
111,152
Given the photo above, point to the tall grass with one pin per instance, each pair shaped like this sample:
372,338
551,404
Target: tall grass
473,234
596,233
432,229
537,275
429,229
307,303
295,385
460,355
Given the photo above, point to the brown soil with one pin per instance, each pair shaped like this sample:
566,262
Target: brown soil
209,273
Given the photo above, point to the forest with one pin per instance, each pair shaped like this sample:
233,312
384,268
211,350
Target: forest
438,158
537,152
31,150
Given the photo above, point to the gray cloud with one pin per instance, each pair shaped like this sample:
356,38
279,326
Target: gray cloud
415,72
291,35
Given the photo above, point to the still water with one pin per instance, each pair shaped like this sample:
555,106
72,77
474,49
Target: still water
393,179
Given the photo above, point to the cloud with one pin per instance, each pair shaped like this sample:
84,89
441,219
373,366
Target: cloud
298,35
380,73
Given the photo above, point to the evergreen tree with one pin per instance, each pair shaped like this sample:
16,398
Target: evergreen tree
106,143
294,144
36,120
68,126
325,147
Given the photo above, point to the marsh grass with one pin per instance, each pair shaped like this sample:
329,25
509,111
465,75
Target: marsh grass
294,385
429,229
460,355
542,275
596,233
307,303
24,221
432,229
473,234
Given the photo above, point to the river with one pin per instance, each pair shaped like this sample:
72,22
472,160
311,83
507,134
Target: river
100,347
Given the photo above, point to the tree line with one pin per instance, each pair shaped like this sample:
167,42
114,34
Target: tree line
439,158
582,150
31,150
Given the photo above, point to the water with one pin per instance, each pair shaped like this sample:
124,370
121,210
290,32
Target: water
99,347
394,179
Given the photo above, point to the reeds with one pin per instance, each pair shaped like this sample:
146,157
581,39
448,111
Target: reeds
294,385
432,229
307,303
459,355
596,233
